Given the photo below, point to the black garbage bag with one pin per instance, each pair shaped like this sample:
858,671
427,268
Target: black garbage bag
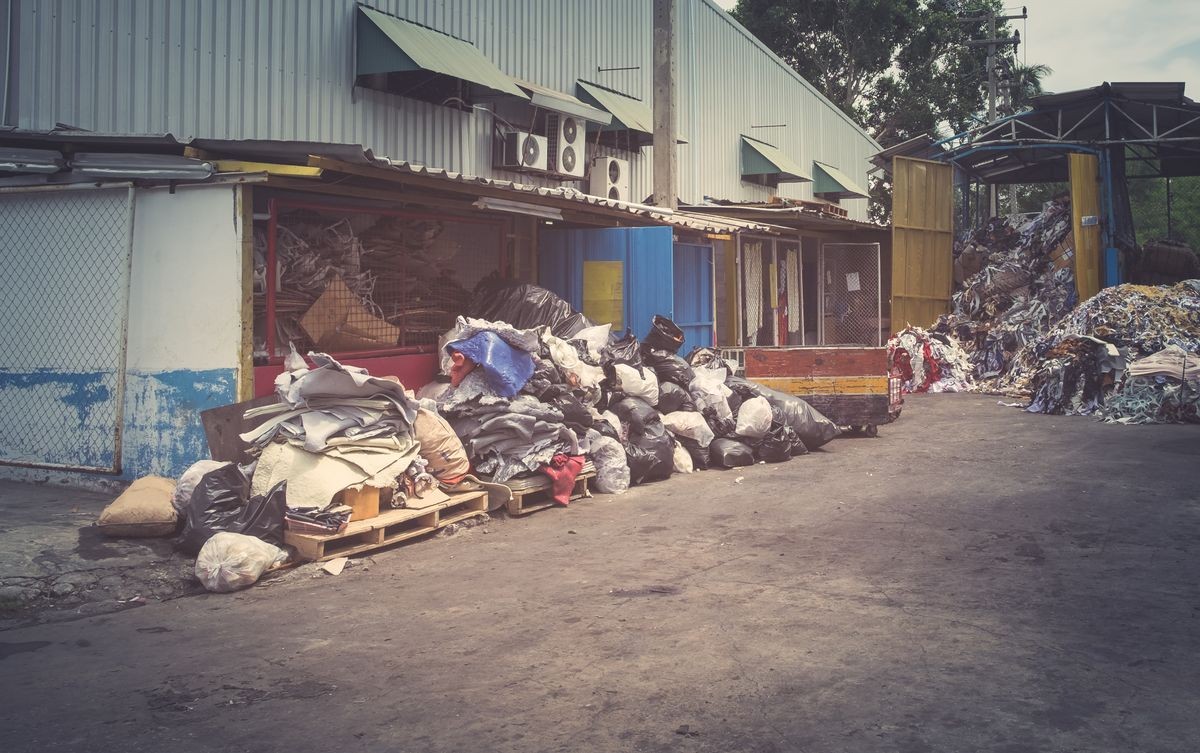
699,454
778,445
625,349
735,403
729,453
813,428
221,501
706,357
668,367
637,413
721,427
672,397
664,335
650,450
523,306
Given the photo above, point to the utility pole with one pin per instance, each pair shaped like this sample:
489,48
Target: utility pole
993,43
666,192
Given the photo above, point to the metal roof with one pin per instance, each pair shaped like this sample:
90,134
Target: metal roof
418,47
921,147
794,217
549,99
830,180
628,112
761,158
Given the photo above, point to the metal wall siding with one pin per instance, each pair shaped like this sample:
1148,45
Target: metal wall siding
282,69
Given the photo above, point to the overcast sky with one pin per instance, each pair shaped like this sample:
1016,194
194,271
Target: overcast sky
1090,41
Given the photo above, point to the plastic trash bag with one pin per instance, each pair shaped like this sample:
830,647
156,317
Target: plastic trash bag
187,482
664,335
690,425
596,337
229,561
524,306
635,383
507,368
729,453
754,418
637,415
813,428
699,454
709,392
222,502
778,445
683,460
566,358
672,398
625,349
612,469
651,457
668,366
707,357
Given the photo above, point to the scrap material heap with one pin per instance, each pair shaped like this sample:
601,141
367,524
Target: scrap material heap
1016,329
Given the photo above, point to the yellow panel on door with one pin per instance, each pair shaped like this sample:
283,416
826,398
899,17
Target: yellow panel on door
1085,222
922,241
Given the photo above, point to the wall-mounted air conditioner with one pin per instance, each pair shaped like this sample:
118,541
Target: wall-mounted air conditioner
524,151
610,178
567,137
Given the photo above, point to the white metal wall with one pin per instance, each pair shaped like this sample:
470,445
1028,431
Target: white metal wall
282,69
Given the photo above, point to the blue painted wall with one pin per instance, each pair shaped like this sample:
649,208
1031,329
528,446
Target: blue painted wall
646,252
694,295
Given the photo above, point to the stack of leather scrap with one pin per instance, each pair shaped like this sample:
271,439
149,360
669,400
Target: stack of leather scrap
1162,388
929,362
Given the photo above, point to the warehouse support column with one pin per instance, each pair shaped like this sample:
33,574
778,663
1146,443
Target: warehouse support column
665,189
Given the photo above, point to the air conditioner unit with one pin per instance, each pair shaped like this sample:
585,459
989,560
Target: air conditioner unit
524,151
610,178
568,135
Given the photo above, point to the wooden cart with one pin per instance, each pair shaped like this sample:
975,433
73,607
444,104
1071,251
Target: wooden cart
849,384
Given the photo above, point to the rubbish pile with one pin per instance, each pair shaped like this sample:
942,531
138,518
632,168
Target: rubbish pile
1015,329
1160,388
534,392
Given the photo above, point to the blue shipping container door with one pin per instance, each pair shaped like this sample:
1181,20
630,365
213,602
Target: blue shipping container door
694,295
645,253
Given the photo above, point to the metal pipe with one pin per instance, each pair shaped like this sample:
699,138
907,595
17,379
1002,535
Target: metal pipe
123,362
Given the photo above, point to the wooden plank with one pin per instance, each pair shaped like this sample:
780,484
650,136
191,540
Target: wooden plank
815,362
245,210
533,494
922,241
1085,202
223,425
270,168
804,386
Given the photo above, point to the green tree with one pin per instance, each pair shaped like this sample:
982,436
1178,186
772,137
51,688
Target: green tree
1025,83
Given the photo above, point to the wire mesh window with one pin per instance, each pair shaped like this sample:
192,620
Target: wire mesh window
851,297
349,281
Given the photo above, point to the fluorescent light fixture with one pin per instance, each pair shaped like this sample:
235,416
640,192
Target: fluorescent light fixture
148,166
517,207
44,161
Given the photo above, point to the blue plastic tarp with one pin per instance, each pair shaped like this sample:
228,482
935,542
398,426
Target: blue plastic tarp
507,369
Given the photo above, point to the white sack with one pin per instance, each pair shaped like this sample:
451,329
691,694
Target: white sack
229,561
689,424
754,418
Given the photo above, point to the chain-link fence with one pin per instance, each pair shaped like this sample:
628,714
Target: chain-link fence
851,306
65,257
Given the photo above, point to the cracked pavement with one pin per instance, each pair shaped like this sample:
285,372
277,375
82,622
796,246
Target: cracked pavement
975,579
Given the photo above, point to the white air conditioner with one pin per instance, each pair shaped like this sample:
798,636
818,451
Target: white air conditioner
524,151
610,178
568,135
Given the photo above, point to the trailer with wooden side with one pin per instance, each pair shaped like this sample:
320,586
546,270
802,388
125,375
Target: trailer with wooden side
851,385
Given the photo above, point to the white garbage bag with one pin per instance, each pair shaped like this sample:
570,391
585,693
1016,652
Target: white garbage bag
708,390
683,460
229,561
595,337
643,385
754,418
689,424
187,482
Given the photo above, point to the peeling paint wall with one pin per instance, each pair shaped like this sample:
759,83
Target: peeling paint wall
184,335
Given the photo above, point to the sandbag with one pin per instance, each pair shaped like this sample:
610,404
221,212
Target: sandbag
440,446
229,561
690,425
813,428
187,482
729,453
672,398
143,509
664,335
637,383
754,418
612,469
525,306
683,460
222,502
668,367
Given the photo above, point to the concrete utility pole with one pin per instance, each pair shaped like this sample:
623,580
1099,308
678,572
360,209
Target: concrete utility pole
993,43
666,190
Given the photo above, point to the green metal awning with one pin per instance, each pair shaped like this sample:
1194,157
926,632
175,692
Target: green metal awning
828,180
761,159
549,99
387,44
627,112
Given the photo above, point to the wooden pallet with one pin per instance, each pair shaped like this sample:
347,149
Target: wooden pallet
533,493
387,528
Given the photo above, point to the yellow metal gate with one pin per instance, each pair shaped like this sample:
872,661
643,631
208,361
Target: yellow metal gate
1085,222
922,241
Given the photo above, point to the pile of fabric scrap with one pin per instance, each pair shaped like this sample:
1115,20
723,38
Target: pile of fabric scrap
929,362
1162,388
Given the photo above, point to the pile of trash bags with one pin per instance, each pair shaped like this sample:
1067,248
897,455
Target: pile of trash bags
1016,329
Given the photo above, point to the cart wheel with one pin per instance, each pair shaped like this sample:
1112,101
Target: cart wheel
871,430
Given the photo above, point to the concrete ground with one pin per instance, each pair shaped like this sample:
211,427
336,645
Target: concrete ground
976,579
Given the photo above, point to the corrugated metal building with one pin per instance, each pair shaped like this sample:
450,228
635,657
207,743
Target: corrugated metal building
284,69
